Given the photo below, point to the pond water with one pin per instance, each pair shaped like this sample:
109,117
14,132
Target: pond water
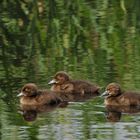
97,41
86,120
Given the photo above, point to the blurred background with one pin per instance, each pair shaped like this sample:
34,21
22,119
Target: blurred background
94,40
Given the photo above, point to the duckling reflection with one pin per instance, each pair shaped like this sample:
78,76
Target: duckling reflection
63,83
29,115
30,112
113,116
114,113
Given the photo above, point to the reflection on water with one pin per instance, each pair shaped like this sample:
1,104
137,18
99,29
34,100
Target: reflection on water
85,120
93,40
114,113
29,112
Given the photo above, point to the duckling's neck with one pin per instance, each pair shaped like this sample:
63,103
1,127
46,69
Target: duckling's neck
35,94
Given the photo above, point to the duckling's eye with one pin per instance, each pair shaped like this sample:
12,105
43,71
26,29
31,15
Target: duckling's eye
26,90
59,77
108,89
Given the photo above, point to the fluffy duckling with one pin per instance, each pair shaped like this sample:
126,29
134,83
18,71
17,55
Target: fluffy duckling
115,96
31,95
63,83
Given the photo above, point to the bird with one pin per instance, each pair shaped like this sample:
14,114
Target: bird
31,95
114,95
64,84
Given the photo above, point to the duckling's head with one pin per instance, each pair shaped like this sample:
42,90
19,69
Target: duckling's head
28,90
60,78
112,89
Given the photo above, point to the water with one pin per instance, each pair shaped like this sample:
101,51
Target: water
97,41
76,121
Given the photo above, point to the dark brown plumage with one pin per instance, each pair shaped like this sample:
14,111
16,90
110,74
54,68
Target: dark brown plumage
31,95
62,83
115,96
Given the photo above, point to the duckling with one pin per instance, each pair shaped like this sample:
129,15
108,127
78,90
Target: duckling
63,83
31,95
115,96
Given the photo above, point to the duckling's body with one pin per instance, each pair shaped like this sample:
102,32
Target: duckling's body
31,95
115,96
126,98
63,83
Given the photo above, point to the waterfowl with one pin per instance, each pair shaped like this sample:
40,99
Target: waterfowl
31,95
63,83
115,96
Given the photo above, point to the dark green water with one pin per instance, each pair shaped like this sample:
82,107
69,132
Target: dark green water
95,40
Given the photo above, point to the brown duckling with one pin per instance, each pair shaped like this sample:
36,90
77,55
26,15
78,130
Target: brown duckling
63,83
115,96
31,95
